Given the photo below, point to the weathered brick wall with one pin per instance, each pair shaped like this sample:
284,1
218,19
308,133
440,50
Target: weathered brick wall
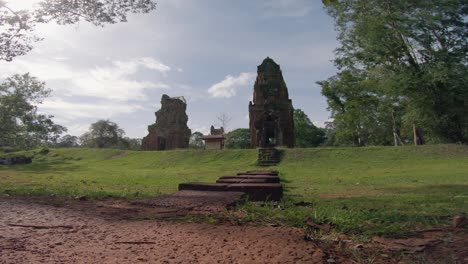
170,130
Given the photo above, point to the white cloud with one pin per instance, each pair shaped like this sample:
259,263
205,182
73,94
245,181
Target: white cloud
43,69
68,111
153,64
196,128
229,86
114,82
288,8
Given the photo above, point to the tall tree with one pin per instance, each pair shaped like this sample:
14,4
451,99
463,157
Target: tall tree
196,140
410,56
131,143
361,115
67,141
103,134
224,120
238,139
20,123
306,134
18,26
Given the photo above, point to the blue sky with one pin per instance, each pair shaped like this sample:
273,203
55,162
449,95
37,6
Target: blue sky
205,50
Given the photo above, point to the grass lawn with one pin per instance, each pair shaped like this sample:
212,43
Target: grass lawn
372,190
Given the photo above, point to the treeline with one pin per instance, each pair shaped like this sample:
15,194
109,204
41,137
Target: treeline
402,72
23,127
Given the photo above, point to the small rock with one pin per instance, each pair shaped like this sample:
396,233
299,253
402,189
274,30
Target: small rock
459,221
359,246
81,198
331,261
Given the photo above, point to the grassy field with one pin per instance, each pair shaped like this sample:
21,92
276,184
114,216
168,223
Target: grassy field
373,190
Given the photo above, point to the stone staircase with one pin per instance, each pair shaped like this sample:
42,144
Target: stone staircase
268,157
257,185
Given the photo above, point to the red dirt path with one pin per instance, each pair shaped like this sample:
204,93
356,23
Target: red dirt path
34,233
59,230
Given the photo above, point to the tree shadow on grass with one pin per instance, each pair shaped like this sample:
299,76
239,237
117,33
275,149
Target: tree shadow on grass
58,167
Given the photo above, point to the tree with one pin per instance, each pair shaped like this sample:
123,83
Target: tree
104,134
131,143
238,139
306,134
360,115
196,140
224,120
18,26
67,141
20,123
402,64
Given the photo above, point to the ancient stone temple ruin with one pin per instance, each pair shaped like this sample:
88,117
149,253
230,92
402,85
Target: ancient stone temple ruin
271,112
170,130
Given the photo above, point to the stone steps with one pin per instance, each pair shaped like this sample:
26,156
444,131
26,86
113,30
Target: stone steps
200,186
258,185
265,179
275,173
243,180
268,157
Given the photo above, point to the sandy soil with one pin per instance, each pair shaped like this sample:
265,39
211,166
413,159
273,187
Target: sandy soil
34,233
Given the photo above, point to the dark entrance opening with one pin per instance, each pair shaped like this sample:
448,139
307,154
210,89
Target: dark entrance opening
269,132
161,143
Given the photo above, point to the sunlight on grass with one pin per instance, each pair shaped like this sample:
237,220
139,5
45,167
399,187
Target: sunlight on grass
374,190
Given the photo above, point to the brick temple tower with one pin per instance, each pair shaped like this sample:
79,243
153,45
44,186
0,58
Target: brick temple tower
170,130
271,112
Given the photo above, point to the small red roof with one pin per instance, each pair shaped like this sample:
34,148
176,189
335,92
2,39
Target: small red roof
213,137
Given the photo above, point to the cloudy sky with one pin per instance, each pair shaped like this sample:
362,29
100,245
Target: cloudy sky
204,50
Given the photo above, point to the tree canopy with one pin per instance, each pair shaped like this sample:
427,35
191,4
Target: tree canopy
403,65
20,123
103,134
17,26
67,141
238,139
196,140
306,134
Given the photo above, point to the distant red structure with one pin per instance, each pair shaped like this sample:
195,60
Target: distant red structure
215,140
271,112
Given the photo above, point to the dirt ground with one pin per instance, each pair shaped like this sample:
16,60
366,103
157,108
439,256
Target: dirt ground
32,233
36,231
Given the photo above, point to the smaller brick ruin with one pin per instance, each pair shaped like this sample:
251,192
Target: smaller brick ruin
216,131
170,130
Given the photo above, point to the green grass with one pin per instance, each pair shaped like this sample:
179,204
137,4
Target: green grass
99,173
373,190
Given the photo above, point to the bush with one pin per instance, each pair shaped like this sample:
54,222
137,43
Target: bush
44,151
8,149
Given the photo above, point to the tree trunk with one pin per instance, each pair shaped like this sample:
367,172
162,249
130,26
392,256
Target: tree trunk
418,139
396,132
